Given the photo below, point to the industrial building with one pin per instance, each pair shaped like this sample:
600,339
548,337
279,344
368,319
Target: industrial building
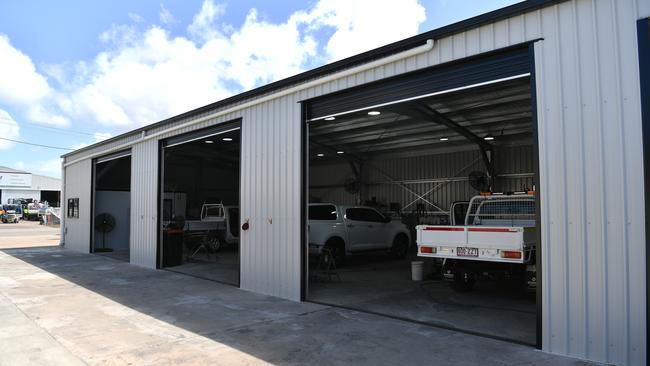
16,184
548,97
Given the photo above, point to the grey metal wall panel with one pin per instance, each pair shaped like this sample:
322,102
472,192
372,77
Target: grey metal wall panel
78,182
326,180
590,166
144,204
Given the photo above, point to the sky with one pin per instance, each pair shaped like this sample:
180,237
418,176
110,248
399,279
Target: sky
75,72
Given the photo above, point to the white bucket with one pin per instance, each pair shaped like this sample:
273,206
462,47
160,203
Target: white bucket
417,270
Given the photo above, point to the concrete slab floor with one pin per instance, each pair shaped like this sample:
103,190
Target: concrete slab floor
222,266
380,284
87,309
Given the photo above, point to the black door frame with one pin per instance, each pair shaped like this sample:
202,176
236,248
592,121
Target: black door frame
162,144
304,204
643,39
93,175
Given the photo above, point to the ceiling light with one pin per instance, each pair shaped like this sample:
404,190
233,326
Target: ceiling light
444,139
320,155
488,138
374,113
330,118
209,142
340,152
227,139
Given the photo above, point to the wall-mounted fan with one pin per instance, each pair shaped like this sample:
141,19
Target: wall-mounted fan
479,181
104,223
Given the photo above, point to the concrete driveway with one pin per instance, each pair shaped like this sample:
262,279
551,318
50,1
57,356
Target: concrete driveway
27,234
64,308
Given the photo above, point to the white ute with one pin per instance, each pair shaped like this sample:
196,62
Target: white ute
498,237
344,230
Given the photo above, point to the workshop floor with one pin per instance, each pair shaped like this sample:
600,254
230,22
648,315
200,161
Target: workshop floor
383,285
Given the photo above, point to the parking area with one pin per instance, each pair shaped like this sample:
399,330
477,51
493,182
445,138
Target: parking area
27,234
69,308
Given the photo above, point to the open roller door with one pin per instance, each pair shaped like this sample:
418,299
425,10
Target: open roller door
418,151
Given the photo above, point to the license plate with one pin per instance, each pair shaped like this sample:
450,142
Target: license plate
467,252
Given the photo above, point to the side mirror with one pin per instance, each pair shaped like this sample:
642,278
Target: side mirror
387,219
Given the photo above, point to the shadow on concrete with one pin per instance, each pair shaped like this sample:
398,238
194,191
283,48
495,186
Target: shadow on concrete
220,319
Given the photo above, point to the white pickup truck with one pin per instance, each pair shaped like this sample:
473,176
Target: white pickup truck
345,230
497,239
218,226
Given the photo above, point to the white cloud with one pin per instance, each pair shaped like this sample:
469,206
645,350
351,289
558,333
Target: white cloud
203,24
136,18
20,83
362,25
51,167
101,136
165,16
8,129
144,74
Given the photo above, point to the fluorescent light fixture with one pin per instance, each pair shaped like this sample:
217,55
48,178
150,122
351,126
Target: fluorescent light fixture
444,139
320,155
227,139
209,142
488,138
330,118
340,152
374,113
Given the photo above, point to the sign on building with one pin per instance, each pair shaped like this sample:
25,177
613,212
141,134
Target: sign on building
15,180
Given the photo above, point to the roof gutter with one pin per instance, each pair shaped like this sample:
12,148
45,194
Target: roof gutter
428,46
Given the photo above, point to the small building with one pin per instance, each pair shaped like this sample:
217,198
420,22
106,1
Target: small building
544,96
15,184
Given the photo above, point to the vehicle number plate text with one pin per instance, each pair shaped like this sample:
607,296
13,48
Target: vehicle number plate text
467,252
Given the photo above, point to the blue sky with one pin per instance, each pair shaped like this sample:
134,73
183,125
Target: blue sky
74,72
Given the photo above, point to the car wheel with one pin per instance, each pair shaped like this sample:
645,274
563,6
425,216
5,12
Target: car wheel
464,281
400,246
337,252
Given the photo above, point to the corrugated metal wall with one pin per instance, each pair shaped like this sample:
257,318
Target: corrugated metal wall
592,180
78,182
144,204
413,172
591,174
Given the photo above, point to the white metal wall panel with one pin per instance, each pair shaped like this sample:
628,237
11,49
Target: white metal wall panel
78,181
592,182
144,204
590,165
44,183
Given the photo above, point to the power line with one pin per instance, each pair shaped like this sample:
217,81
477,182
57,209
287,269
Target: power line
7,121
39,145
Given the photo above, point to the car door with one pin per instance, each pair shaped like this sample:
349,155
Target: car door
366,228
360,232
379,231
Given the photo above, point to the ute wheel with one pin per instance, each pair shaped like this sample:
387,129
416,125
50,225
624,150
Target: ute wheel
400,246
337,251
463,281
214,244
